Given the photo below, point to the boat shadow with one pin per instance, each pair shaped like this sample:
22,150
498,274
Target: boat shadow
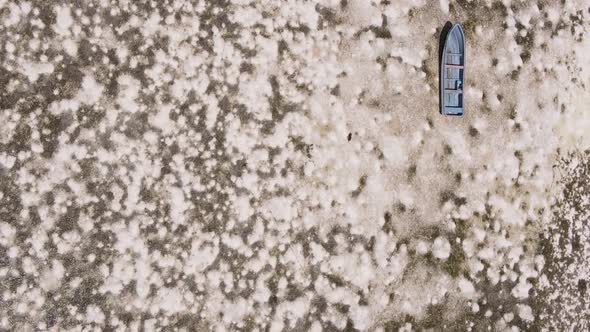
441,45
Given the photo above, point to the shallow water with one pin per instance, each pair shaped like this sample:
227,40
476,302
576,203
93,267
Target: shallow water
243,165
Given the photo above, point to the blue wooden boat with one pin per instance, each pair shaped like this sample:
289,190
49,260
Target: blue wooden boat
452,68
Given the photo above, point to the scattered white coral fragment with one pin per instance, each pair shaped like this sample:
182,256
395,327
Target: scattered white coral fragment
128,92
52,276
7,233
91,90
441,248
161,120
63,20
394,150
280,208
422,248
71,47
34,70
243,208
525,312
444,6
94,314
178,205
467,288
522,288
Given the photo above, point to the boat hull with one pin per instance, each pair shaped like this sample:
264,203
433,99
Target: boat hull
452,73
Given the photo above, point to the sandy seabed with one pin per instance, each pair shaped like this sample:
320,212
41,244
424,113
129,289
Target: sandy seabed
282,165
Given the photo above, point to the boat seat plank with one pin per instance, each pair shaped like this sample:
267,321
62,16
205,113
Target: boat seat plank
453,91
449,65
453,110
